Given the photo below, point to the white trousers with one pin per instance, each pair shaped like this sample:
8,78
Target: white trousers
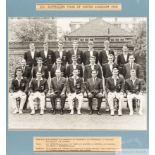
32,98
22,97
137,96
120,97
72,96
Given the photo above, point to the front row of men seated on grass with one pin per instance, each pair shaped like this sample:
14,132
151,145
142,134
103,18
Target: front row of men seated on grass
75,87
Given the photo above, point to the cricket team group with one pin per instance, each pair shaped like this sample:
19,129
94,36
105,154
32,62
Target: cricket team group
75,74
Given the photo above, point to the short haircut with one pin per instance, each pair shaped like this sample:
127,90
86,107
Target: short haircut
125,45
31,43
39,59
115,69
23,60
131,55
111,52
106,41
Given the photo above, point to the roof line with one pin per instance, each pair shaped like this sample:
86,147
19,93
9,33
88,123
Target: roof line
83,25
102,21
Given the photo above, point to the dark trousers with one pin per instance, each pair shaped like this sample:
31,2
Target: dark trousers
53,100
99,99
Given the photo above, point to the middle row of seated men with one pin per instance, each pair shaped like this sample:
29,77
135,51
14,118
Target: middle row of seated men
84,71
74,88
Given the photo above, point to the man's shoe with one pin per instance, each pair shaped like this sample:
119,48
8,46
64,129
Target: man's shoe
20,111
112,113
54,112
79,112
91,112
140,112
107,109
41,112
61,112
72,112
15,111
119,113
131,113
98,113
32,112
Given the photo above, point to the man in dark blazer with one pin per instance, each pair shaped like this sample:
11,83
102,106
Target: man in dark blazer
75,90
73,66
61,53
38,89
91,52
92,66
26,71
58,66
19,88
77,52
58,90
103,55
108,67
95,90
134,89
31,56
48,56
123,58
115,89
40,68
131,65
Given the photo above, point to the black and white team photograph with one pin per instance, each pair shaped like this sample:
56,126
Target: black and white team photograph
77,73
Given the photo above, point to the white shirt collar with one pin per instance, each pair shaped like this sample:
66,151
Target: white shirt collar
40,79
76,77
110,63
132,79
18,79
114,78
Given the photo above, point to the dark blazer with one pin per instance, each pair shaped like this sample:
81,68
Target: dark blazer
134,88
88,70
121,60
126,70
58,86
54,68
96,87
44,71
103,57
43,87
23,85
86,57
26,73
65,57
106,70
79,56
49,60
69,71
78,88
29,60
111,87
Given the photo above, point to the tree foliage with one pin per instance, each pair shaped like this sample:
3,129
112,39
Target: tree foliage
26,30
